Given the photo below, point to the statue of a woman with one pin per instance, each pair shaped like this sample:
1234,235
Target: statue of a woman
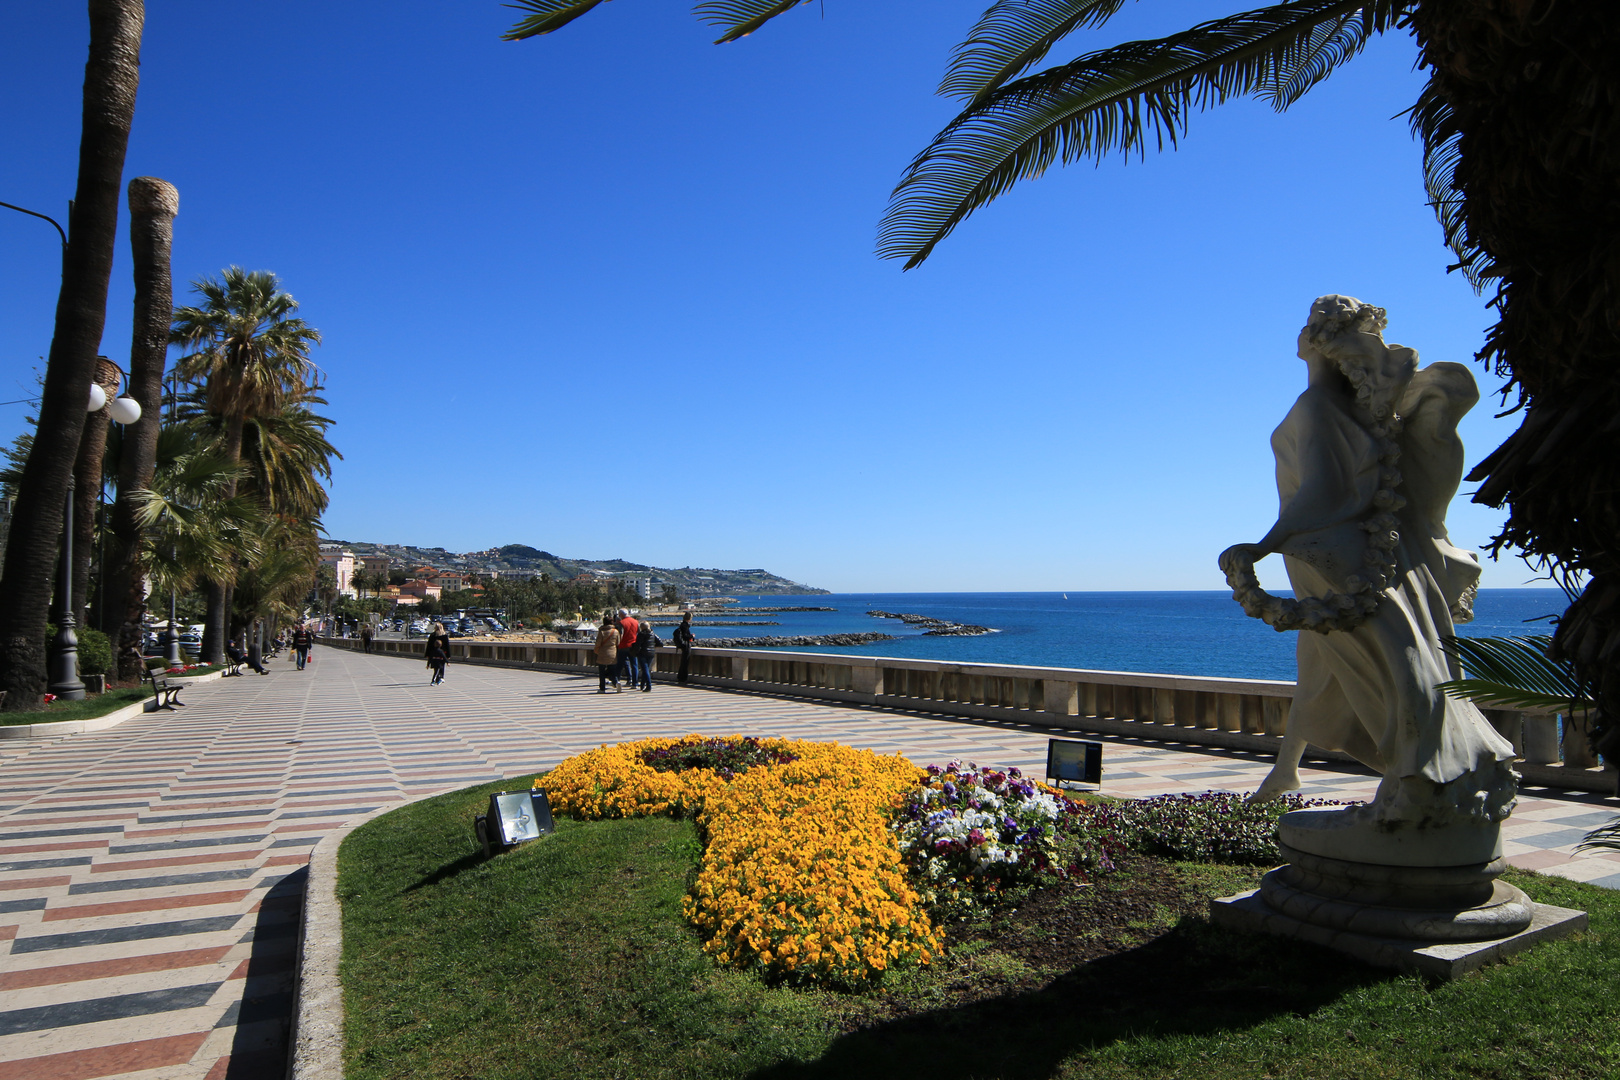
1367,461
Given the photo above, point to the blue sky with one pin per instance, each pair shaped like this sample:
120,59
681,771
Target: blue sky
612,292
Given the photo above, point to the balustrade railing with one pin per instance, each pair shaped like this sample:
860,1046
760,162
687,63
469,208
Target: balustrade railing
1247,714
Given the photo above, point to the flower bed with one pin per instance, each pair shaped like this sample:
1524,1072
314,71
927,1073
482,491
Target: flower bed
800,874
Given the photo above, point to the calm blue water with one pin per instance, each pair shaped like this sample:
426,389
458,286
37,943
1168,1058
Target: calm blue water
1179,633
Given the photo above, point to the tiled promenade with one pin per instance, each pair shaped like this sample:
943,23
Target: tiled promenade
151,874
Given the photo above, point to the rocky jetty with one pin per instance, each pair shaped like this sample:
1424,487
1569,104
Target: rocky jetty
772,610
783,642
933,627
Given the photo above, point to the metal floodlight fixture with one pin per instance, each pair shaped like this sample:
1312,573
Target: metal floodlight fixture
514,817
1074,762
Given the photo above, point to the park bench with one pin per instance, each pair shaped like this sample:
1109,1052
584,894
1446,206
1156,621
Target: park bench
165,693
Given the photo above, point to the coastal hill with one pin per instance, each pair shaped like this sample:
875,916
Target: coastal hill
521,560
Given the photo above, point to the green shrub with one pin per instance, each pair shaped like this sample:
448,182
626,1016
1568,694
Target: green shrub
95,650
1216,826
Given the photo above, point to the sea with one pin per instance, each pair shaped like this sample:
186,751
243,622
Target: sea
1170,633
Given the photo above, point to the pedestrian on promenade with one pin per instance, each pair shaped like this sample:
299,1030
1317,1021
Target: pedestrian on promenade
437,652
646,642
233,649
607,656
683,641
365,637
302,640
628,629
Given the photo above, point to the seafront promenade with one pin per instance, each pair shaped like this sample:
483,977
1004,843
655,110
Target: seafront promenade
151,875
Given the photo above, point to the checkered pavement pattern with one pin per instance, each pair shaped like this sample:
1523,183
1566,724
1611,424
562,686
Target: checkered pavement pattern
151,875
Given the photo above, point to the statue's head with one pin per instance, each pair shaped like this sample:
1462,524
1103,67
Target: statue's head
1351,335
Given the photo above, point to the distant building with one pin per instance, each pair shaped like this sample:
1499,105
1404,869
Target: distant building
342,563
422,590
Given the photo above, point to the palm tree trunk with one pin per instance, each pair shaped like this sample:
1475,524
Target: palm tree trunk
1536,95
111,77
87,474
153,205
216,624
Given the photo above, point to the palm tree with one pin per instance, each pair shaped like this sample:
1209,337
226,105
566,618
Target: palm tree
1521,139
111,77
251,356
192,525
153,204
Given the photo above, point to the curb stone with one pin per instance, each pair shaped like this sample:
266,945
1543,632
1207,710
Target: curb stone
99,723
316,1038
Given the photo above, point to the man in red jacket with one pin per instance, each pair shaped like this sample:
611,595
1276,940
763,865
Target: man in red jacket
628,629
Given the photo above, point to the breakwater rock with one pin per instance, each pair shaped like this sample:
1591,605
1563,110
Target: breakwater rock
769,610
933,627
785,642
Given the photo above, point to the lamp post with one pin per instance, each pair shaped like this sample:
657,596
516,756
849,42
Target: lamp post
62,658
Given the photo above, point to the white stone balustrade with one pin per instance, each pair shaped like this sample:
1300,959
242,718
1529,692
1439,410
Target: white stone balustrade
1245,714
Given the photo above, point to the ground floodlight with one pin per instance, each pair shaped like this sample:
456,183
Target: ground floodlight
1071,761
514,817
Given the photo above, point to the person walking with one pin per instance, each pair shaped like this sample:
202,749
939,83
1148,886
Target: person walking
365,637
629,628
607,656
302,640
683,641
437,652
646,642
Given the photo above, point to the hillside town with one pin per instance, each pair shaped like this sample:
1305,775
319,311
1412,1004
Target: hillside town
409,576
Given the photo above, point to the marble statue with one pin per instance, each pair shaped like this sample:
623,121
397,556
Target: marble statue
1368,459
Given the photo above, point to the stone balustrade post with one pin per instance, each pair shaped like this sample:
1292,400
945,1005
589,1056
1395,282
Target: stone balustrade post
866,680
1060,698
739,668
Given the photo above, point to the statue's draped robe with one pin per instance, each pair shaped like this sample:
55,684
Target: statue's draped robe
1371,692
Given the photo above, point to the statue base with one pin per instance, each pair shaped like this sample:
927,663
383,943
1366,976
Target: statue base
1354,834
1438,921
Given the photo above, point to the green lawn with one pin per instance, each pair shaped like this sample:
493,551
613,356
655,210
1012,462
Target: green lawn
569,958
89,709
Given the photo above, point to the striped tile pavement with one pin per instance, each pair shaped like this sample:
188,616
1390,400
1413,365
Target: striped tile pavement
151,875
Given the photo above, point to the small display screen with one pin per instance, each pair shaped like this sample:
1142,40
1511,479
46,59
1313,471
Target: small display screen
1076,762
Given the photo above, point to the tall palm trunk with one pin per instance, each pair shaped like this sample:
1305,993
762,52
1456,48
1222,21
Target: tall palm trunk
153,205
110,80
1536,94
87,477
217,624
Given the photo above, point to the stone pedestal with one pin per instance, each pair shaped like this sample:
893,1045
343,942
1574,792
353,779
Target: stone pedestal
1432,903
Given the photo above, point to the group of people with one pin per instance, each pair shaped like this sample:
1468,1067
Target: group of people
624,649
301,639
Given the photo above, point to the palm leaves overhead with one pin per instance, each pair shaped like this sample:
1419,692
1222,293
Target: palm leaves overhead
1514,673
245,346
1117,99
1012,37
192,526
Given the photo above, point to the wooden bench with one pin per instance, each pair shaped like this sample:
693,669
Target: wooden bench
164,692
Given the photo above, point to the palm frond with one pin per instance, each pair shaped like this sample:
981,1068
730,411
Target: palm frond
742,17
548,15
1513,673
1602,838
1435,125
1012,36
1115,99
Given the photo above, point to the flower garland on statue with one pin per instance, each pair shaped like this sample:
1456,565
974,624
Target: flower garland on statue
1349,609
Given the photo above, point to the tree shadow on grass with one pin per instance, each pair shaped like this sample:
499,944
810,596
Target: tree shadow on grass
1194,980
